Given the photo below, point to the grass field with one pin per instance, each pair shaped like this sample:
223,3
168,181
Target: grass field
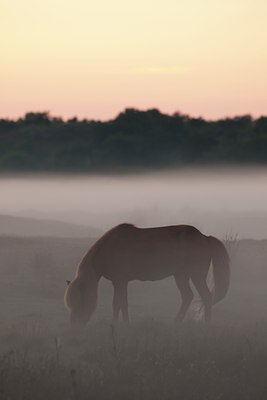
152,358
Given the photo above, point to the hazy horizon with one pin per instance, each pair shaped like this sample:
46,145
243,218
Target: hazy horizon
104,119
222,201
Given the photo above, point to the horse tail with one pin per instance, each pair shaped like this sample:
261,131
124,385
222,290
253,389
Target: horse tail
221,268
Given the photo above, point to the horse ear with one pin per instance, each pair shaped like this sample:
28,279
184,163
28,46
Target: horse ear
68,282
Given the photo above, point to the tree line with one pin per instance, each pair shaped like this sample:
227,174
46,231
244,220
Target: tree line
134,139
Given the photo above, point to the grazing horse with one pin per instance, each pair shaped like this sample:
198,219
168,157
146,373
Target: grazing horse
126,253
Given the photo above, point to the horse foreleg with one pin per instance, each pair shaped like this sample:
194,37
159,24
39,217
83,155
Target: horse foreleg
116,304
120,301
186,294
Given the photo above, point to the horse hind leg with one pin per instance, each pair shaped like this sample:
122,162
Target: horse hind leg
124,303
201,285
186,294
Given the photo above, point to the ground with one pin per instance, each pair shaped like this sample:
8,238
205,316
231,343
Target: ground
152,358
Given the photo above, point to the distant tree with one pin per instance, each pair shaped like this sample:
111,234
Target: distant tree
37,118
134,139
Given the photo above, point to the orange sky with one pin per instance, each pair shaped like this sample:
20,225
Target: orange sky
93,59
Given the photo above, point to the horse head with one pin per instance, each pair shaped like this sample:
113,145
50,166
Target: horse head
80,301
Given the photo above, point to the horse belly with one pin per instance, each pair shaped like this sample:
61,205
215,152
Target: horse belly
140,261
153,267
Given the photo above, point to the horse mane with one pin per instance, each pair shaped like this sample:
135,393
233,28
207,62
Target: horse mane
85,267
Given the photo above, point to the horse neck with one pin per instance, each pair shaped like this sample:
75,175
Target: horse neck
88,276
89,285
89,279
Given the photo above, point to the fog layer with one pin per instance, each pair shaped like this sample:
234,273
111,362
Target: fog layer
221,202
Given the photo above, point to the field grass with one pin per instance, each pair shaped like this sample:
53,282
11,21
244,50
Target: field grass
148,360
152,358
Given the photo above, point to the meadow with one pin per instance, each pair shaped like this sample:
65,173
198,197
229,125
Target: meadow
152,358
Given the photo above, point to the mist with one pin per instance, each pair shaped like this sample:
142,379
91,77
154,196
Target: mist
223,201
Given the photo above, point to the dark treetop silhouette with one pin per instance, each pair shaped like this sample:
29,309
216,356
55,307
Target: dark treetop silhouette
134,139
127,253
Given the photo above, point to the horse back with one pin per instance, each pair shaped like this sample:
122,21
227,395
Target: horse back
149,253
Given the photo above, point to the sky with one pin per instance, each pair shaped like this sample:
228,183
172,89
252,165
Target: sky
92,59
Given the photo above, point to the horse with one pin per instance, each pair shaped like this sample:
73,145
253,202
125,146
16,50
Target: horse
126,253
